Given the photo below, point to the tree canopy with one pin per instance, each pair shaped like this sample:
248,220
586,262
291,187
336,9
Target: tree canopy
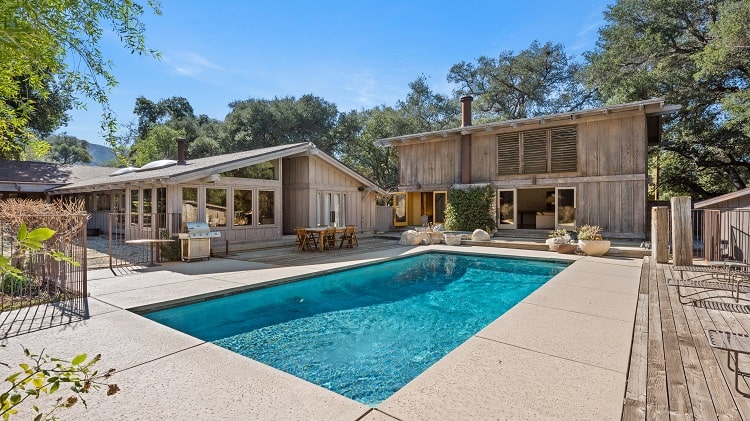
67,149
541,79
57,42
693,53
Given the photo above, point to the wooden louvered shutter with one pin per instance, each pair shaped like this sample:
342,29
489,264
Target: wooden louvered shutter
564,153
534,152
508,154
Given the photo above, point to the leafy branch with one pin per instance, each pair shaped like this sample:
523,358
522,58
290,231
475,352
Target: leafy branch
44,376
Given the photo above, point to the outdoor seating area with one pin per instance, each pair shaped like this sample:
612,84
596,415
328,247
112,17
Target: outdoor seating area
700,279
325,238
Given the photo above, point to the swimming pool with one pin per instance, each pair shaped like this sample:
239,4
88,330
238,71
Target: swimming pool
365,332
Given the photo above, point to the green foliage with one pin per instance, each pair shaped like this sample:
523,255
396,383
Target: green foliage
45,41
560,232
45,374
68,149
695,54
589,232
259,123
539,80
169,251
470,209
158,144
29,243
13,285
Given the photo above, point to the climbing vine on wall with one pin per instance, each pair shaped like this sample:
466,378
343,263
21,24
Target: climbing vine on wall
471,208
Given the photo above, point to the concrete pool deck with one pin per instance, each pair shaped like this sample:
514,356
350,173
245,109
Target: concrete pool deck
561,353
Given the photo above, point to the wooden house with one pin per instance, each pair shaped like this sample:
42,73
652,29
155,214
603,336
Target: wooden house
248,196
723,226
554,171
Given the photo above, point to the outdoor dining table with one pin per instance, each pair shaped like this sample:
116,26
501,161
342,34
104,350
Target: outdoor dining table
319,231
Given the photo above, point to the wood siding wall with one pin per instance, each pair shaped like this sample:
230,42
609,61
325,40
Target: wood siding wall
305,176
611,180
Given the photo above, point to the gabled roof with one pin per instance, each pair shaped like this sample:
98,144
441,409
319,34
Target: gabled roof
723,198
202,168
34,176
654,106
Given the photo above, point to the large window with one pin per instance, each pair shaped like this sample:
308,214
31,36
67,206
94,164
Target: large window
216,207
134,210
537,151
262,171
189,206
266,207
243,207
147,207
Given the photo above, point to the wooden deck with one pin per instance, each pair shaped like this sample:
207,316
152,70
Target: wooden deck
674,373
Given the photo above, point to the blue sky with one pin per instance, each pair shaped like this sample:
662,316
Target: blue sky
355,54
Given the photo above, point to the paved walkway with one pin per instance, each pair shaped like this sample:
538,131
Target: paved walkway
562,353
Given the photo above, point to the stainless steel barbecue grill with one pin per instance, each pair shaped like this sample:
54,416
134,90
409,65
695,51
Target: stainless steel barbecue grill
196,243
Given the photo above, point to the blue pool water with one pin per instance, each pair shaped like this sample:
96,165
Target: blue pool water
365,332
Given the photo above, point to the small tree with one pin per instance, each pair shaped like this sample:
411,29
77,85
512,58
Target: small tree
471,208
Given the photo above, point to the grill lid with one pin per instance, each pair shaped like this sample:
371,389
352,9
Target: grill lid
194,227
199,230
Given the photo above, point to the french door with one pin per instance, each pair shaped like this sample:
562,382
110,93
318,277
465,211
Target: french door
399,209
507,213
565,209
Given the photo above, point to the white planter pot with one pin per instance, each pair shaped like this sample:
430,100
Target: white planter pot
594,247
551,244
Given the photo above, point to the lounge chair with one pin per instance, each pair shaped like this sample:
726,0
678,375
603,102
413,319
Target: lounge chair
733,343
707,278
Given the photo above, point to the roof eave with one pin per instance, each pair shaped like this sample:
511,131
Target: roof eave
655,106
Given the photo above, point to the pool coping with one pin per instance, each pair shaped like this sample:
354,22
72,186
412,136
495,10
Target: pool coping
596,300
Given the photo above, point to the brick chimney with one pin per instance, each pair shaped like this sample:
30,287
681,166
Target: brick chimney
466,140
181,151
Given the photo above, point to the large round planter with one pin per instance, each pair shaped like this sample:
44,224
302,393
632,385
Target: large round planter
594,247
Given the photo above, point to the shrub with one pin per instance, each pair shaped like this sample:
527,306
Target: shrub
589,232
12,284
469,209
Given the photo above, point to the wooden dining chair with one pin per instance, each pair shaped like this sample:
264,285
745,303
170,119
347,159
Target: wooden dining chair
349,237
301,242
329,239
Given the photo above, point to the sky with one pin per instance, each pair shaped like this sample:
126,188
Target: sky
355,54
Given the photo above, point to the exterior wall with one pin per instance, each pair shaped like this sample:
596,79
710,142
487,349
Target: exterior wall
742,202
611,181
306,176
430,165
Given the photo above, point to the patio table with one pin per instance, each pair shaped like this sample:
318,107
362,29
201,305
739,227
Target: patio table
319,231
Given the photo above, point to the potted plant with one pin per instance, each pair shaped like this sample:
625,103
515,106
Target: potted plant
590,240
557,237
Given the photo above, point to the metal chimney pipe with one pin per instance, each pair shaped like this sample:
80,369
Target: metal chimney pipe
466,110
466,140
181,151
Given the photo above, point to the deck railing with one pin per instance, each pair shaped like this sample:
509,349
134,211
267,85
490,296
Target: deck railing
721,234
50,292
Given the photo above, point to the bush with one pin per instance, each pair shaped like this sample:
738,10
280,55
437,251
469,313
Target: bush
470,209
12,284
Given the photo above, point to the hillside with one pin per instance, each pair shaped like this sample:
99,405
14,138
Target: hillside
100,155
